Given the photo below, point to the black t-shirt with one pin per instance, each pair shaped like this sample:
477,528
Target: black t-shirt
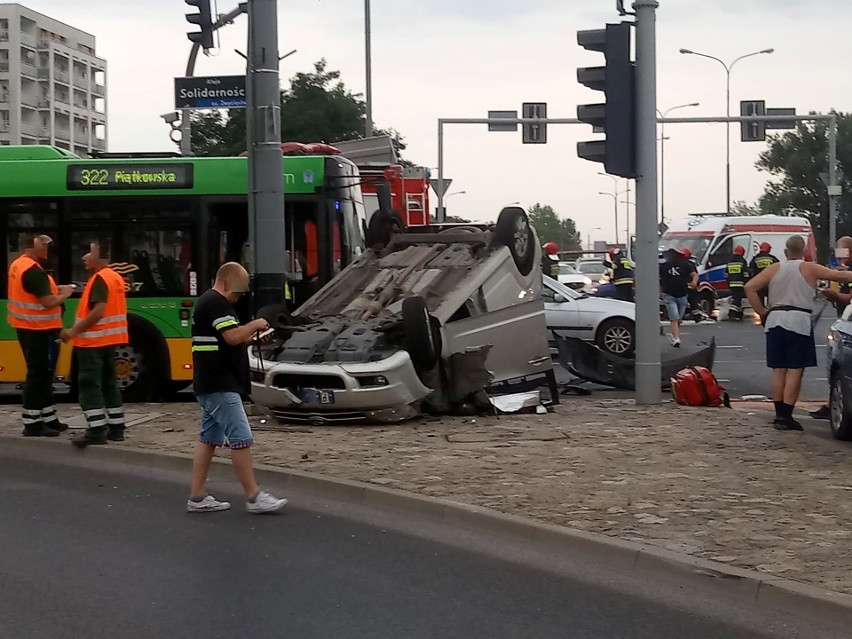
219,367
675,276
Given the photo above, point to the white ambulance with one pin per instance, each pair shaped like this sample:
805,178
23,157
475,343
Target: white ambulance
712,239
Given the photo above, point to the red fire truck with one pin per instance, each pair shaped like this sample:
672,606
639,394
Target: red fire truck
409,188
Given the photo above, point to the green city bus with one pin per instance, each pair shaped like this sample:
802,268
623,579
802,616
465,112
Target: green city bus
170,222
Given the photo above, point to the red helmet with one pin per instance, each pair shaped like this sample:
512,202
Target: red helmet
551,248
684,251
739,250
765,247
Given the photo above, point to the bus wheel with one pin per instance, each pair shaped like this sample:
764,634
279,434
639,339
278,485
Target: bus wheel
138,369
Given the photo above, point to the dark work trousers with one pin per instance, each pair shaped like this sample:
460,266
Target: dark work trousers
40,353
100,397
624,292
737,298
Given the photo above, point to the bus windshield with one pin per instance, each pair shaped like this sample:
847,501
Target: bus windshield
698,243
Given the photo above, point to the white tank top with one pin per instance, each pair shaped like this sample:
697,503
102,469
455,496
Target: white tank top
790,288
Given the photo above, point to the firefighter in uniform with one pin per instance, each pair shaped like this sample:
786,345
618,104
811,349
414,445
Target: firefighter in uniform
736,273
550,260
764,259
35,312
622,275
101,325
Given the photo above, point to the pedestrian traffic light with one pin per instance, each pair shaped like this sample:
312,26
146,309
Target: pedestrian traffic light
204,19
617,115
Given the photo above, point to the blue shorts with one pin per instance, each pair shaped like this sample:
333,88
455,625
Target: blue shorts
223,416
675,307
786,349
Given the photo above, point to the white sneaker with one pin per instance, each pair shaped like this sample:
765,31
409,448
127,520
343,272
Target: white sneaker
672,340
676,342
207,505
265,503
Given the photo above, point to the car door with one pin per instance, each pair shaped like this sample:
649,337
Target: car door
563,314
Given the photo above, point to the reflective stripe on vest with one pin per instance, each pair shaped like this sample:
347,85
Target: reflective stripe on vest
624,280
111,329
763,262
23,308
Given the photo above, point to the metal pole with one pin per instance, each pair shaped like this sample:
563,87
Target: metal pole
441,211
266,199
615,213
663,174
627,221
833,190
369,64
186,114
728,142
647,269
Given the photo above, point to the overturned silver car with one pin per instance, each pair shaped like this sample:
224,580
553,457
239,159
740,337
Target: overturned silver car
434,316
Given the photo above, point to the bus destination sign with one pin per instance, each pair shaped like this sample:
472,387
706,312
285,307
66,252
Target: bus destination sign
129,177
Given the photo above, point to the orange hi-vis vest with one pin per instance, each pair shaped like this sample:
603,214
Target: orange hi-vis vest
111,329
24,310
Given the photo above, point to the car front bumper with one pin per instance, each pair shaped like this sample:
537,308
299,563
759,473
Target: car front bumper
382,391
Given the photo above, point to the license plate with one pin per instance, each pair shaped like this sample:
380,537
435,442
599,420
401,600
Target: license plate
313,396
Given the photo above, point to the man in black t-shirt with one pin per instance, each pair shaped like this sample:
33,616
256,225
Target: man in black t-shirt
677,276
221,381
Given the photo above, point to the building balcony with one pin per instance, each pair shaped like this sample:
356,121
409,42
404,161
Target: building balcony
81,82
98,89
62,133
4,36
4,66
28,39
29,69
29,100
4,127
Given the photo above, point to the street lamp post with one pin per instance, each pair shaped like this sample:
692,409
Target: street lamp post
728,69
615,206
369,66
614,195
447,198
663,139
595,228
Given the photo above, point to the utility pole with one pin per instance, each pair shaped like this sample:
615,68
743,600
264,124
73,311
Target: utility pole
647,269
369,65
265,163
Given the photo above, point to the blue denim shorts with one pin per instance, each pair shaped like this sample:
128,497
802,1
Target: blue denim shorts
675,306
223,416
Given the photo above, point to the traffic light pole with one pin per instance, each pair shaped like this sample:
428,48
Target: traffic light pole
834,188
185,115
647,266
442,121
266,185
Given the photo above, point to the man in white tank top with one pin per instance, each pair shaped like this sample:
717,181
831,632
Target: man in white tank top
790,347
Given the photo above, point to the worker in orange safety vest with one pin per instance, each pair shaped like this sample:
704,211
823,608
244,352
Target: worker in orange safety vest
101,325
34,310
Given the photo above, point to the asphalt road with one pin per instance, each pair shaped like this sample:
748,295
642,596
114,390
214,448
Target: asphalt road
740,358
91,549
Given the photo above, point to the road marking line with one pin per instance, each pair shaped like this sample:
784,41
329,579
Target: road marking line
729,347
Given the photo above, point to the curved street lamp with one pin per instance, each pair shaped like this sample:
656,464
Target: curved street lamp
728,68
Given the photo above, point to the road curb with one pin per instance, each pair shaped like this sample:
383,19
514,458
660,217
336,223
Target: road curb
632,558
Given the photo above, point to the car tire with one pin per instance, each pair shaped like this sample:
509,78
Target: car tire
841,422
513,231
617,336
421,338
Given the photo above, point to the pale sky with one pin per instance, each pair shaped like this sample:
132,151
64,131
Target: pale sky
451,58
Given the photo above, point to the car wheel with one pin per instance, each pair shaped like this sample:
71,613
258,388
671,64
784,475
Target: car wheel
421,339
514,231
707,302
617,336
841,424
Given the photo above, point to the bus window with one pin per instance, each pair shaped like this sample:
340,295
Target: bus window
24,218
151,244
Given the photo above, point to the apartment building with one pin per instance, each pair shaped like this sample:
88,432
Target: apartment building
52,84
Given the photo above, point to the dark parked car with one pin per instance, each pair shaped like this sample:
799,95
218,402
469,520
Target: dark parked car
840,375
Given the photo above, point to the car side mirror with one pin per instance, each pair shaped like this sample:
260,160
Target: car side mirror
559,298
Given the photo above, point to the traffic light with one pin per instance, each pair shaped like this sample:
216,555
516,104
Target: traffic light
617,115
204,19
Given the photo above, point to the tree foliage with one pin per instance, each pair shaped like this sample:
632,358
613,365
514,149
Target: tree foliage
317,107
796,159
551,228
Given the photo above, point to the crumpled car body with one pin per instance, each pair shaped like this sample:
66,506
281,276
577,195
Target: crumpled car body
377,340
